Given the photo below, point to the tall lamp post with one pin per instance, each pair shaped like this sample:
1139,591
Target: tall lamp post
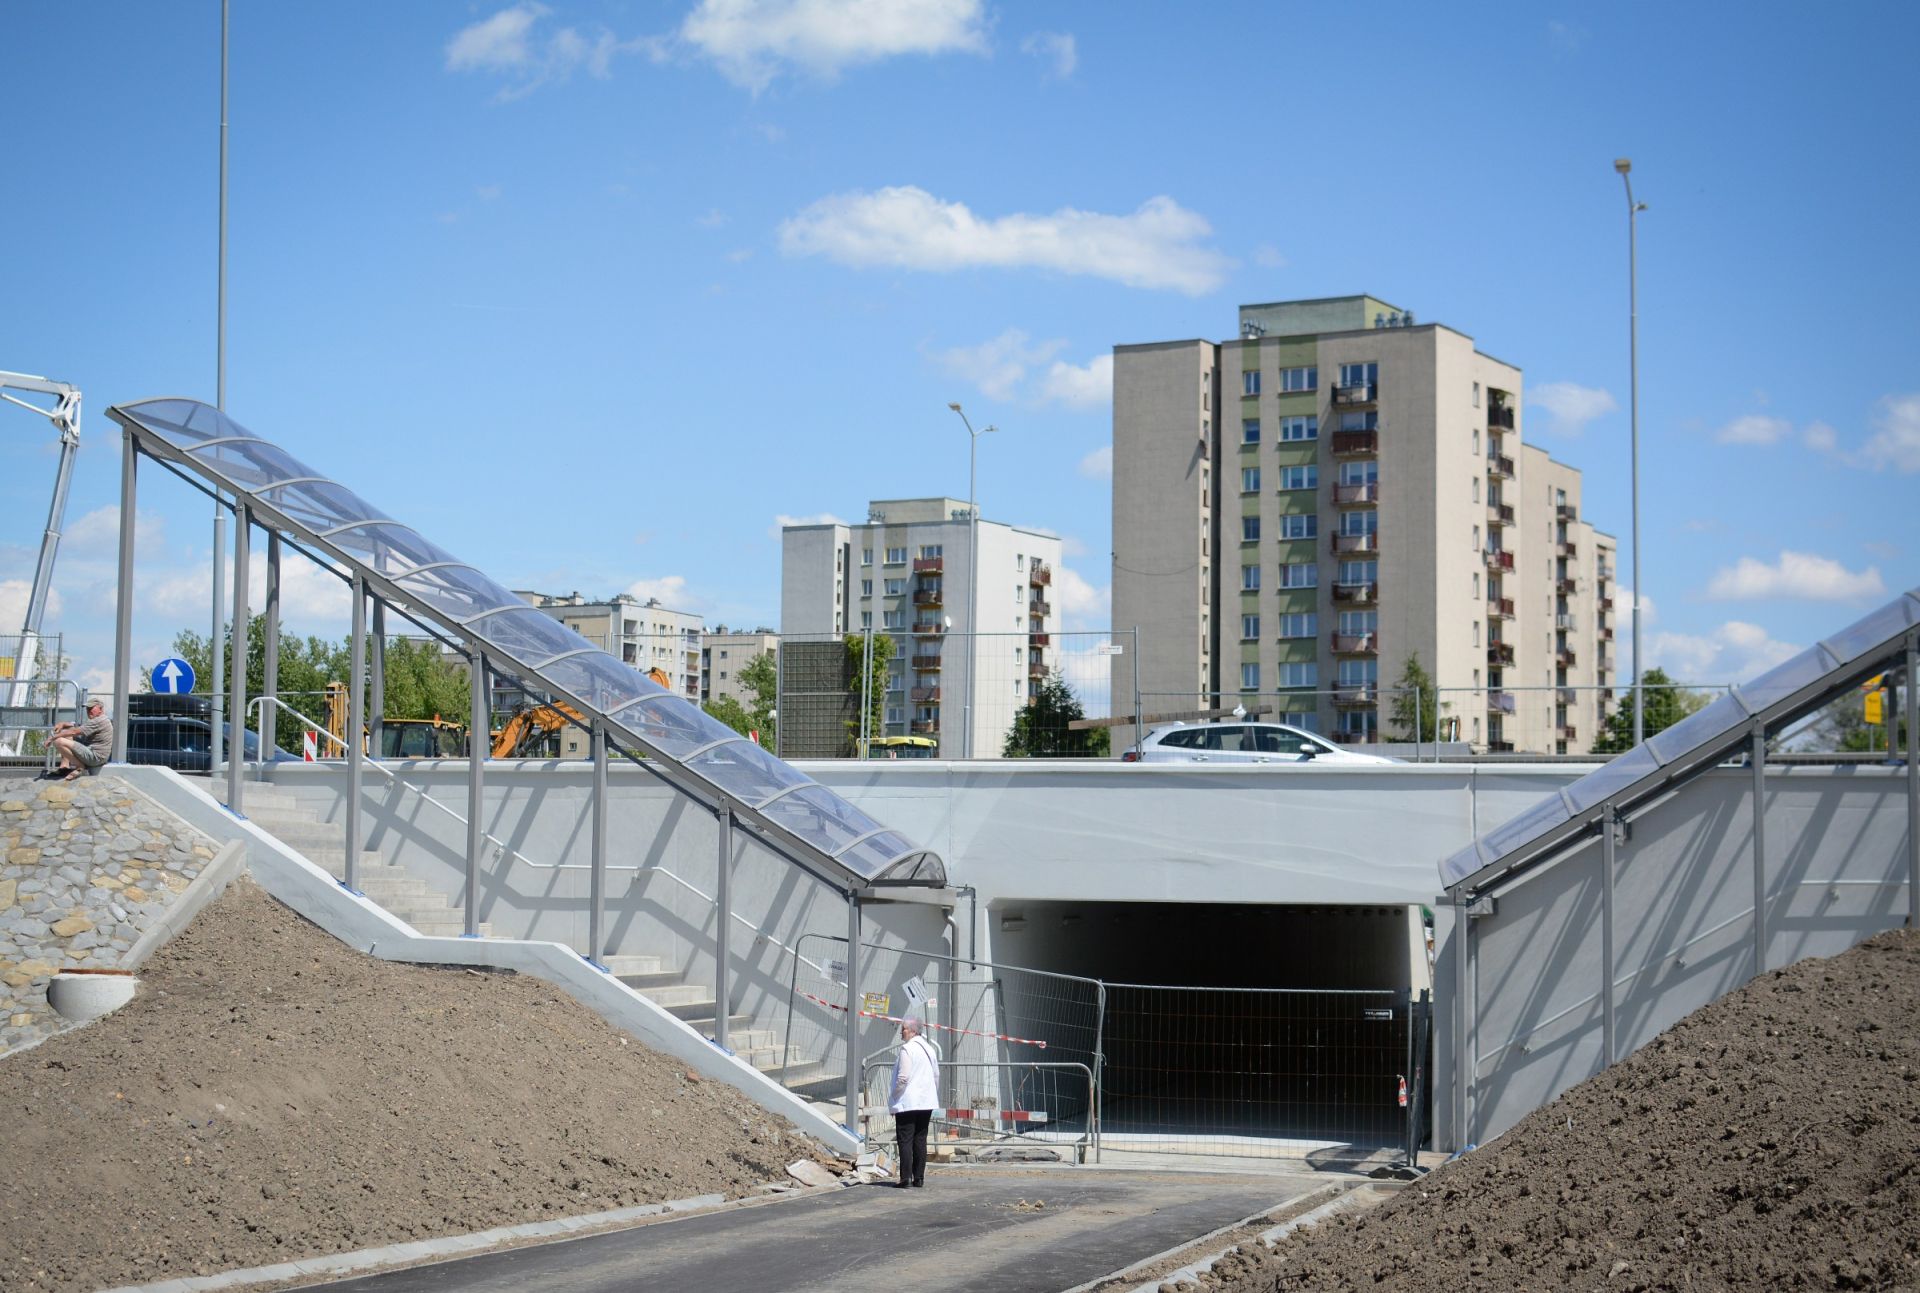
973,575
1624,165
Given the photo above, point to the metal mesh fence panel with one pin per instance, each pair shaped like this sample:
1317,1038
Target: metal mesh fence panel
1254,1071
33,697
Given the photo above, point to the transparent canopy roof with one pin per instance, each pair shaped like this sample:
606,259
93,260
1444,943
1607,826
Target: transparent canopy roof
1696,733
544,650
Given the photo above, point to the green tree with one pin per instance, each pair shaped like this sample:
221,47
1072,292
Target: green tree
761,677
732,713
875,672
1666,705
1844,726
423,683
1416,702
307,665
1040,730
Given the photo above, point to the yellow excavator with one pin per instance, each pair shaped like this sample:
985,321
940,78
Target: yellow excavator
527,731
523,736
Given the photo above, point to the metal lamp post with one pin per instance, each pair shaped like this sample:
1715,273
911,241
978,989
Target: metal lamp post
1625,166
973,575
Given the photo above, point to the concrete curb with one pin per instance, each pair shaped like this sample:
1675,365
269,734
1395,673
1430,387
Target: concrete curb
448,1246
212,881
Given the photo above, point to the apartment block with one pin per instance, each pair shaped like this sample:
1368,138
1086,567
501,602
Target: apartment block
1299,511
645,634
973,634
722,657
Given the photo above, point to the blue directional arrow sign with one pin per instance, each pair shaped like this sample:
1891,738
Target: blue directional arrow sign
173,677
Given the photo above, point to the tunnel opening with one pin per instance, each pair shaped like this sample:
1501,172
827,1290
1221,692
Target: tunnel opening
1232,1027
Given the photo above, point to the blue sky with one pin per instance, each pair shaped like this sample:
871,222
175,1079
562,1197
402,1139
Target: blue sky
594,293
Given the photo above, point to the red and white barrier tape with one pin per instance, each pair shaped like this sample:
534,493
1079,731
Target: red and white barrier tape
989,1115
960,1032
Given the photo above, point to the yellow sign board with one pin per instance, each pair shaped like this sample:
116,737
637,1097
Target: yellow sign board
1873,708
875,1003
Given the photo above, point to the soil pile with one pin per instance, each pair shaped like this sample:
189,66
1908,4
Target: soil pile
272,1094
1770,1140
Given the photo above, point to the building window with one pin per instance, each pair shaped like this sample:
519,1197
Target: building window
1476,585
1249,677
1366,521
1250,382
930,549
1299,379
1249,579
1249,480
894,619
1249,529
1299,428
1359,572
1366,374
1304,525
1476,395
1359,673
1020,561
1476,632
866,588
1359,473
1359,623
1249,627
896,587
1305,720
1306,477
1300,625
866,622
896,556
1300,574
1476,489
1306,674
1476,538
1476,444
1358,421
1250,431
866,556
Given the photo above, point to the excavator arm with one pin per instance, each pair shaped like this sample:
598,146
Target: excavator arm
538,721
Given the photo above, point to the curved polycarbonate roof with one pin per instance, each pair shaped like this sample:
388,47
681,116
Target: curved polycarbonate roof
437,585
1704,732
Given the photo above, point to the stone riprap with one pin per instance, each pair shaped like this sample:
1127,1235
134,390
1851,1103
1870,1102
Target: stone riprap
86,867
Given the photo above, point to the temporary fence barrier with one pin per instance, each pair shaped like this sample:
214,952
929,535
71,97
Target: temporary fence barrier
1038,1102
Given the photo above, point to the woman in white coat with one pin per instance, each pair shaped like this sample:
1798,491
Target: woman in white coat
916,1088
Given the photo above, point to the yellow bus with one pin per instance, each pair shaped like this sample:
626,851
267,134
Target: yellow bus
903,747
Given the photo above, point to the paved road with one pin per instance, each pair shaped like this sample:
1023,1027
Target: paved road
966,1232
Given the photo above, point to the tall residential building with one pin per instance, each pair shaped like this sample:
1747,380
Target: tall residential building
645,634
906,572
1298,511
723,655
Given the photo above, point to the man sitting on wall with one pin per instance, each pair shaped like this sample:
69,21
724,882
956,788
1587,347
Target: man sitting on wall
82,747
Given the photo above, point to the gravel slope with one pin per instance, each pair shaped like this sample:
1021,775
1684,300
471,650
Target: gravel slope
272,1094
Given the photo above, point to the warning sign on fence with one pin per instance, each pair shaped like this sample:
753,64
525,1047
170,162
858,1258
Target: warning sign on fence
875,1003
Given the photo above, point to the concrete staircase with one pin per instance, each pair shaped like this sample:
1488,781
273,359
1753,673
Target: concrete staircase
277,811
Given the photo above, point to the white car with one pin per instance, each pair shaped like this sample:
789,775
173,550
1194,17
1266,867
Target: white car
1242,743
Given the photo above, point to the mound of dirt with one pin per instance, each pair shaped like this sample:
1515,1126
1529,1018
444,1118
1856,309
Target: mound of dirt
272,1094
1768,1141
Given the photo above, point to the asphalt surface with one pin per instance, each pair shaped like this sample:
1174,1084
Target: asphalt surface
972,1229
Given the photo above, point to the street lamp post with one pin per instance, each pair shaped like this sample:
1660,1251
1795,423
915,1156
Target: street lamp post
1625,166
973,576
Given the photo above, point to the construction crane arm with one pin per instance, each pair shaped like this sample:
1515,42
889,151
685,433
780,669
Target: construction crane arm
65,416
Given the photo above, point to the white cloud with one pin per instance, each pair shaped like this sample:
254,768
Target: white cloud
13,607
671,590
1570,406
751,40
1071,546
487,192
1088,670
713,219
1080,386
507,44
311,600
1056,45
1098,465
1797,575
1082,606
1268,256
999,365
782,521
1158,246
97,534
1732,653
1754,428
1896,439
1819,437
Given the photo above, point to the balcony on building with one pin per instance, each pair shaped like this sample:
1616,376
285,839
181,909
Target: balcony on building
1499,560
1566,587
1566,621
1040,574
1498,464
1036,671
1606,603
926,663
1357,736
1500,653
1500,513
1604,573
1499,417
1356,444
925,726
1364,493
1499,608
928,629
1567,548
1567,696
1355,542
1566,511
928,565
1605,631
1565,657
1499,747
1567,732
1603,667
1356,643
926,695
1347,397
929,596
1356,594
1039,606
1500,702
1354,695
1039,639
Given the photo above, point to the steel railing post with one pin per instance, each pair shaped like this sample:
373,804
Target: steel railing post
1137,715
236,734
597,884
1759,761
356,717
853,1014
722,931
269,736
476,783
1609,842
123,604
1913,779
377,679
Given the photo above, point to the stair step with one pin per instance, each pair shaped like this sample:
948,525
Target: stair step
636,966
659,979
680,997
